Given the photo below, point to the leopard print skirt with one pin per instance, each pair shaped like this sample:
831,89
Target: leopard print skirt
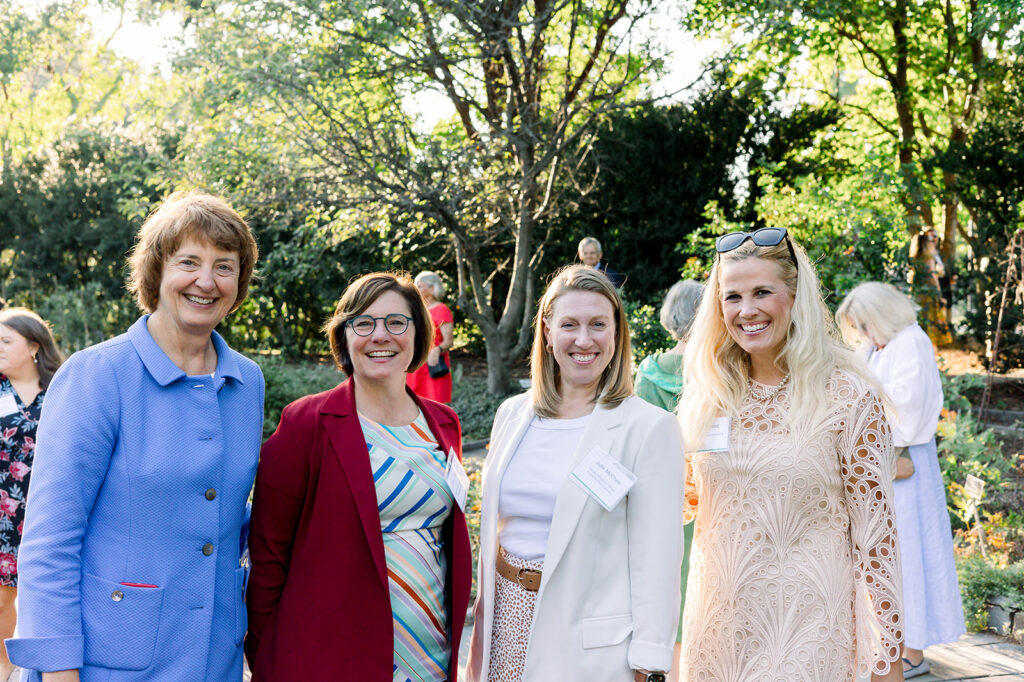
513,619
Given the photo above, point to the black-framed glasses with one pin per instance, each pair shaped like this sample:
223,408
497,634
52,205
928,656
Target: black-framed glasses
395,324
766,236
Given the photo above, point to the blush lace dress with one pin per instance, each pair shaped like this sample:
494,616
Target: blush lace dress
795,572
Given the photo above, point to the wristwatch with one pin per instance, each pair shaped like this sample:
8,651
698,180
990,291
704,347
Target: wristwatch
645,676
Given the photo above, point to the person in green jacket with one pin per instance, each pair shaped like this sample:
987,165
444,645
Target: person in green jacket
659,381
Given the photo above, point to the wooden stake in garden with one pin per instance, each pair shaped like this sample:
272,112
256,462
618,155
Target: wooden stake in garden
1015,250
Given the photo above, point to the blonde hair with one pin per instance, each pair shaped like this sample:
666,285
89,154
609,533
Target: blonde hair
716,369
875,312
617,380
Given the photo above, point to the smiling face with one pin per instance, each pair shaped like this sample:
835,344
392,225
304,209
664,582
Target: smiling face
590,255
756,309
198,287
16,354
382,356
581,334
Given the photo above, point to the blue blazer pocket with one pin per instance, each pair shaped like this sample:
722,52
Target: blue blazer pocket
120,623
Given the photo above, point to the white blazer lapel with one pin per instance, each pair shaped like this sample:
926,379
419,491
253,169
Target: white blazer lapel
571,497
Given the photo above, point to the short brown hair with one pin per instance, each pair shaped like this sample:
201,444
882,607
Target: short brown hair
35,330
360,295
617,381
189,215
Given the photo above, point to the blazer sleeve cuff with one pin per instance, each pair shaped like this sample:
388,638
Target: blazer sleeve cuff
649,656
47,654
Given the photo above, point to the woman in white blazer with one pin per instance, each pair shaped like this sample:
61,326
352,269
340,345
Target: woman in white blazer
580,531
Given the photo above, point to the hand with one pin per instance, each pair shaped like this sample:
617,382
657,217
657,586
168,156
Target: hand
62,676
434,355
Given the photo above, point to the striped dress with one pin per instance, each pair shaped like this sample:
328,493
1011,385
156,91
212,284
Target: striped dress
414,501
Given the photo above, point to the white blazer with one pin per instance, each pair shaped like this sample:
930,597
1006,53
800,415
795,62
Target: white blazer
609,596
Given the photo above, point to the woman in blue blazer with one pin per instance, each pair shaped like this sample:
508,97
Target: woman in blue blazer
146,455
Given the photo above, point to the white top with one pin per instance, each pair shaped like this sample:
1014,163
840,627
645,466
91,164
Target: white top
906,367
529,488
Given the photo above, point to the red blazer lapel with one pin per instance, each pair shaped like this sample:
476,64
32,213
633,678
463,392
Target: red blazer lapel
346,437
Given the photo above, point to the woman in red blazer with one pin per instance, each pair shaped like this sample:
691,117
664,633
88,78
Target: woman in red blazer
360,554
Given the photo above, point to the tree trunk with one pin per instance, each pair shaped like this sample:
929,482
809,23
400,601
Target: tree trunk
499,375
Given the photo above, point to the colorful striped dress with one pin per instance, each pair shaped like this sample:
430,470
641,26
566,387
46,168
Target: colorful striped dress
414,501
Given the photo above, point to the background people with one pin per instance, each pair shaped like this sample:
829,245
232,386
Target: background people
592,582
659,381
28,359
360,553
421,381
589,252
883,321
146,455
926,283
795,572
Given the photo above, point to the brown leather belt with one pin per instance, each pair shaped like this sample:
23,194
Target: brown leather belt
527,578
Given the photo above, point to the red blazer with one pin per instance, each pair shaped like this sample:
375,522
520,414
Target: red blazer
318,599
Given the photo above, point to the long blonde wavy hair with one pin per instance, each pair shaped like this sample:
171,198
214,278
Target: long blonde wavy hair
716,370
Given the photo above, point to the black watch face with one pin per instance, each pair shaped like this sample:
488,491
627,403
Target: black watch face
655,677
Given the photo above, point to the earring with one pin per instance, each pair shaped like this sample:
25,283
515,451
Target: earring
35,359
549,348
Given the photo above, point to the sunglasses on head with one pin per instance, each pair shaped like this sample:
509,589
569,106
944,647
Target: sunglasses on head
766,236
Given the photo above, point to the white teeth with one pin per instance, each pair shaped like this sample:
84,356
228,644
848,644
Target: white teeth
754,327
382,353
578,357
199,299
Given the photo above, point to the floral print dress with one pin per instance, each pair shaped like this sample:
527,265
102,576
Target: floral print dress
18,424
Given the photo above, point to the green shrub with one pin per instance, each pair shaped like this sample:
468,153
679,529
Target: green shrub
647,336
980,581
289,381
474,405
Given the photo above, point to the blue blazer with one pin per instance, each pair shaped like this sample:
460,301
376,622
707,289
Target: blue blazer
129,566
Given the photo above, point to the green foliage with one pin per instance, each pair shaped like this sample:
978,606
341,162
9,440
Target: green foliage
647,336
475,406
966,447
287,382
981,581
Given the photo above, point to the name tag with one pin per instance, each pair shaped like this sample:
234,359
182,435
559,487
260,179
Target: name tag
456,478
603,478
717,439
8,405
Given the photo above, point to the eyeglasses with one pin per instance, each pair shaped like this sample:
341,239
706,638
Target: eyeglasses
395,324
766,236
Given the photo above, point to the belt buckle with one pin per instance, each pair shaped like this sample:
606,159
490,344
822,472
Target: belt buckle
519,575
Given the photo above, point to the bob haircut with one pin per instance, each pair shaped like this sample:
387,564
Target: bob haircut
588,241
716,368
433,280
680,307
875,312
360,295
617,381
35,330
189,215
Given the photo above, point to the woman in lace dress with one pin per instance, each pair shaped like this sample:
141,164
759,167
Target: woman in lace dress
795,573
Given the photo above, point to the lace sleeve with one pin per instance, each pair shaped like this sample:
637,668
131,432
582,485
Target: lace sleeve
867,460
690,501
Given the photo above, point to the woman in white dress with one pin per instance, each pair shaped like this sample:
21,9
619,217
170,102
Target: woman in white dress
795,572
883,322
